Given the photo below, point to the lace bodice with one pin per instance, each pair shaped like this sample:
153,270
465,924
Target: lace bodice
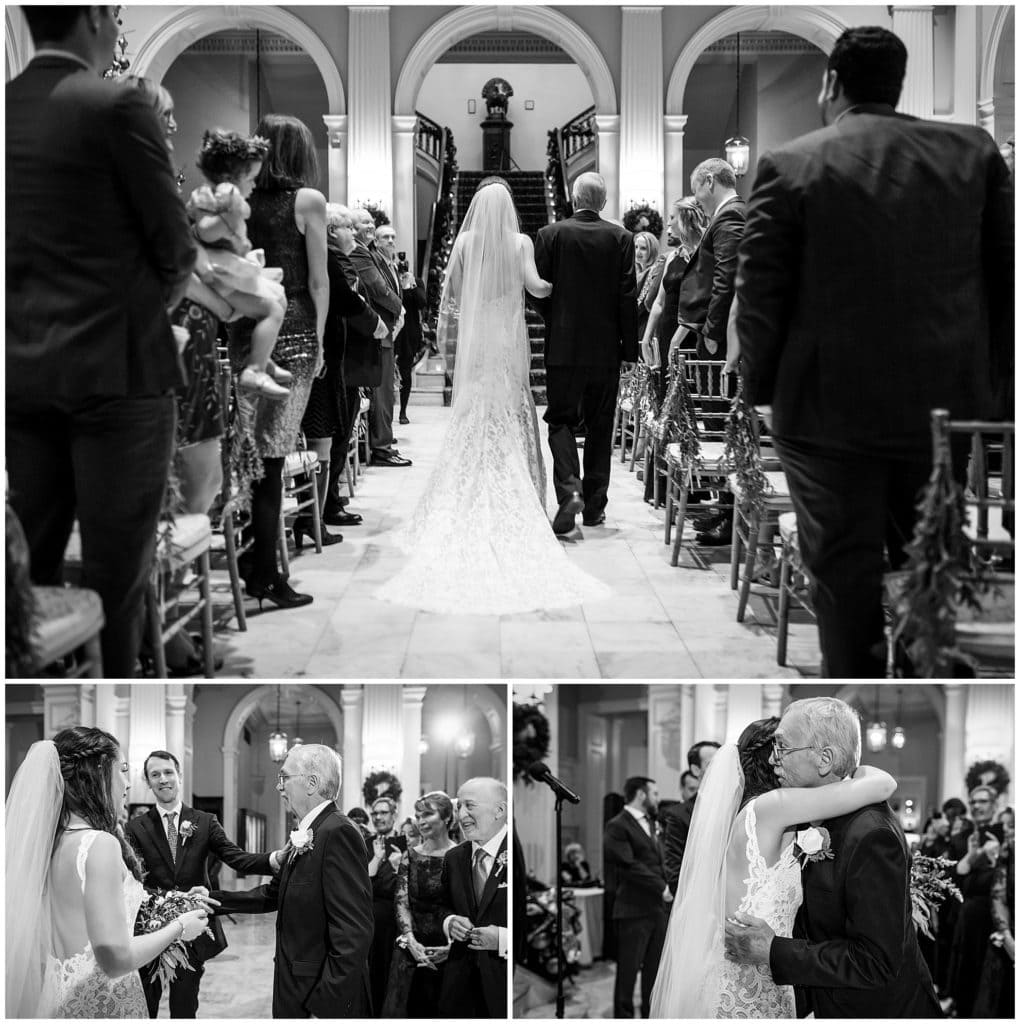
76,986
419,897
774,894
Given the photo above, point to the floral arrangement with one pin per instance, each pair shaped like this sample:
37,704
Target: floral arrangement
742,450
642,217
531,739
988,773
930,885
381,783
813,844
159,909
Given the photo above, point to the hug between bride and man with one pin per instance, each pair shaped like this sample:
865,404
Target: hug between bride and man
794,892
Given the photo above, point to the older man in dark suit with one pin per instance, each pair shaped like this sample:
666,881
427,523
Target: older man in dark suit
631,849
590,331
98,246
875,283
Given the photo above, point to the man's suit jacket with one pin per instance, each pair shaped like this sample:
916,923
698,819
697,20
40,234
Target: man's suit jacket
854,950
677,827
348,310
147,836
98,242
362,355
591,316
708,281
640,871
876,280
323,904
378,287
467,967
414,299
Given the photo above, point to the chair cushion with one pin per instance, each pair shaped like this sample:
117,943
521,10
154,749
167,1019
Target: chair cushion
364,406
300,462
788,527
188,538
66,618
712,456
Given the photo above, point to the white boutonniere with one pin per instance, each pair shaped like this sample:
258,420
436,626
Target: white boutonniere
813,844
186,831
501,863
502,885
302,841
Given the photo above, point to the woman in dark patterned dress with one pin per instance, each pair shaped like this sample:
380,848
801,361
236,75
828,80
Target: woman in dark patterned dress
288,220
416,974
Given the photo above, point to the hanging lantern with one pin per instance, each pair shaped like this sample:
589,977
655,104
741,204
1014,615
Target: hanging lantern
899,737
464,744
278,740
876,731
738,149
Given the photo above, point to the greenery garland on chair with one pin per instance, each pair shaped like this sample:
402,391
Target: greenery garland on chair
744,453
381,783
988,773
677,422
942,575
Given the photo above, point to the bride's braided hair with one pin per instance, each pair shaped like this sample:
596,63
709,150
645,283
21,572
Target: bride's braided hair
754,749
87,762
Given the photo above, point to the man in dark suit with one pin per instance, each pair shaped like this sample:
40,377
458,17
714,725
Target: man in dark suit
383,293
590,331
631,847
98,246
854,950
174,842
322,897
874,284
475,879
676,822
386,848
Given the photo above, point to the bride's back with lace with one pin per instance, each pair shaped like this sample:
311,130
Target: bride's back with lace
75,985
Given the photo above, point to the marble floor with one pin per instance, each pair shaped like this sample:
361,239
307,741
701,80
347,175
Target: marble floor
587,996
660,622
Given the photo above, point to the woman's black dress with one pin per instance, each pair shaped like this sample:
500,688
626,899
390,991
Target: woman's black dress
199,411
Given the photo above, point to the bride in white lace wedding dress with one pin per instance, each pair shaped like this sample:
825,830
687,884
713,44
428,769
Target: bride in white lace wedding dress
741,858
73,887
479,540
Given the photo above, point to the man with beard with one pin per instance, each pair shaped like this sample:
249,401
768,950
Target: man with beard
631,848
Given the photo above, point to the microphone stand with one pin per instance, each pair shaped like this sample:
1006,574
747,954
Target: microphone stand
560,958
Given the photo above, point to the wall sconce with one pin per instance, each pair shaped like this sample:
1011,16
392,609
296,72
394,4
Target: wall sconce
471,106
529,104
336,140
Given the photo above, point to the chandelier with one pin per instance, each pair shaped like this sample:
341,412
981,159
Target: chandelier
278,740
738,149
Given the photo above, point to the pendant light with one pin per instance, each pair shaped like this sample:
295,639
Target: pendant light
278,740
899,737
876,731
297,727
738,149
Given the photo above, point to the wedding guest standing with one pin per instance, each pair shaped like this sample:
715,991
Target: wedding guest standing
647,270
387,848
174,842
876,284
418,965
98,246
475,880
288,221
631,847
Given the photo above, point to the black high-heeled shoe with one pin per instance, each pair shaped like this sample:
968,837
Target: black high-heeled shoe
303,528
279,593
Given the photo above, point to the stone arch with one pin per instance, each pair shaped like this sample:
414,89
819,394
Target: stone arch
18,47
542,21
494,713
174,34
232,732
815,24
991,52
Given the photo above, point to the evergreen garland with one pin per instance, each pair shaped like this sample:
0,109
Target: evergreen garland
381,783
677,422
444,231
643,218
743,452
980,770
943,574
531,739
930,885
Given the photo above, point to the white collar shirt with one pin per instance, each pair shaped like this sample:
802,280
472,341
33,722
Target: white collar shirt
306,821
641,818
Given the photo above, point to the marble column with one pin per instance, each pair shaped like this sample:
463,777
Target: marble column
704,713
352,698
744,706
106,708
915,25
772,700
989,715
686,719
986,115
66,705
641,108
410,769
228,876
148,716
965,65
336,156
122,719
607,127
954,741
176,710
677,186
370,159
667,755
403,184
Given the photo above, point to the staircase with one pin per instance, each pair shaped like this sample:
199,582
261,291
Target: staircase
528,189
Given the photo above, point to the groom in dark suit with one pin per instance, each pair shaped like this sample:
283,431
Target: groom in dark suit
182,865
98,246
631,849
874,284
854,950
591,328
475,878
322,897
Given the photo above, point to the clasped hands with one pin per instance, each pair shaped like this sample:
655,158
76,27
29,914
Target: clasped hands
462,930
748,939
429,957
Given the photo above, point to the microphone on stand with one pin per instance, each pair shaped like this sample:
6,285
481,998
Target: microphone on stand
539,771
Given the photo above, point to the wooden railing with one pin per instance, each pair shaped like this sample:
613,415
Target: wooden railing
442,225
569,146
428,137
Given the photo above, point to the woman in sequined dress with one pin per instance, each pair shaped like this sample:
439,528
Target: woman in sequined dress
288,221
416,974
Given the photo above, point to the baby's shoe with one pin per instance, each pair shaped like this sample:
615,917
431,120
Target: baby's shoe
278,373
258,381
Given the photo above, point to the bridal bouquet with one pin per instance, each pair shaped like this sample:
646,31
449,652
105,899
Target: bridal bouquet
159,909
929,887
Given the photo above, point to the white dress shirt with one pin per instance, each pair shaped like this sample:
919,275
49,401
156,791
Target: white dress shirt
491,848
641,818
163,812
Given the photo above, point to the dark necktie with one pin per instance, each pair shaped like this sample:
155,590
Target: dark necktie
171,835
480,872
